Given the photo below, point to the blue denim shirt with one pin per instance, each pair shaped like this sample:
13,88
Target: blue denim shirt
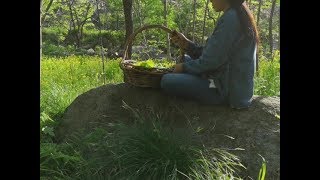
231,64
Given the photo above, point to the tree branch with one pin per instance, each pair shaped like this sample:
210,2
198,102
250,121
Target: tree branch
46,11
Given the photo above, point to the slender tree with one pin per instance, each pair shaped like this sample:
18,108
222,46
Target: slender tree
78,20
139,12
42,18
165,13
40,30
204,20
127,9
101,44
259,11
46,10
270,26
194,19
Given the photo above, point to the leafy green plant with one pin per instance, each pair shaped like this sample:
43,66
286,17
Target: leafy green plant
150,63
268,81
263,169
63,79
50,49
148,149
145,64
54,35
109,38
59,161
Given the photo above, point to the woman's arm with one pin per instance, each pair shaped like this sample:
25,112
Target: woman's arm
194,50
218,46
189,47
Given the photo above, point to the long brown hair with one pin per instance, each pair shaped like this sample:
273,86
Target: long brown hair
246,18
248,24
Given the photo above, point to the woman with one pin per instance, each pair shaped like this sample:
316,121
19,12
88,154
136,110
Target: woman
222,72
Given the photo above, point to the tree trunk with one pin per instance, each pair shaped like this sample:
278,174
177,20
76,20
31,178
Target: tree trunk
101,44
259,10
194,19
179,15
279,35
81,24
165,4
40,30
188,25
77,25
127,9
257,62
72,21
141,21
117,26
204,20
270,27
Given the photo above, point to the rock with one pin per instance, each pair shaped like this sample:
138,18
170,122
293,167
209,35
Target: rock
257,129
90,51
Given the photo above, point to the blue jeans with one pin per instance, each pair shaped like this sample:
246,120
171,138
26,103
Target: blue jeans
191,87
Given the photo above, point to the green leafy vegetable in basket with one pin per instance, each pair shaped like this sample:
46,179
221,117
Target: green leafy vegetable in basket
163,64
146,64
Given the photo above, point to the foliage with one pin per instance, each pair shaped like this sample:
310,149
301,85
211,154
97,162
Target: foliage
144,12
263,170
268,81
57,50
157,152
155,64
54,36
110,39
63,79
59,161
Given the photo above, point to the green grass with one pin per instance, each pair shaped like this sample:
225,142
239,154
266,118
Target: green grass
263,169
268,81
59,161
63,79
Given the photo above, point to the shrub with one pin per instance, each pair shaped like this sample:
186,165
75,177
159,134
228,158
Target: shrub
268,81
110,39
150,151
156,152
91,37
54,35
63,79
59,161
57,50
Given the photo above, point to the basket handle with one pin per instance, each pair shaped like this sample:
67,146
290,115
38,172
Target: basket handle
133,35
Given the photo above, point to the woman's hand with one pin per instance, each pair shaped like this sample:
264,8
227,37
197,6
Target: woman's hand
179,39
178,68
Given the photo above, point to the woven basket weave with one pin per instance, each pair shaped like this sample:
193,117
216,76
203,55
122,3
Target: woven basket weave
138,76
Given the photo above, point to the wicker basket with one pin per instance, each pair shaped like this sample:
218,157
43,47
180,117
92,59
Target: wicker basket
138,76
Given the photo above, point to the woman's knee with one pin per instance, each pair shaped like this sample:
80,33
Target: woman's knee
166,81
